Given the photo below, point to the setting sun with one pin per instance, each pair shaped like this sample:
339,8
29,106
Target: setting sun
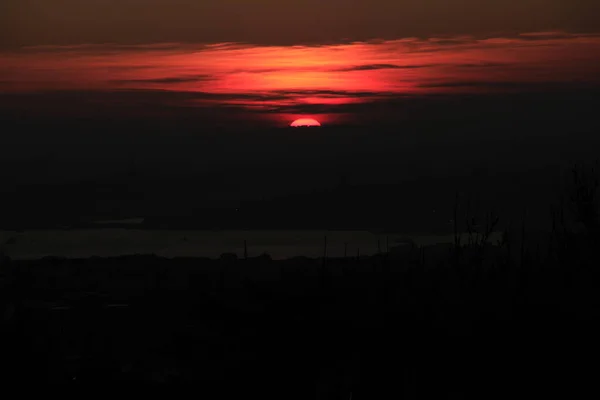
305,122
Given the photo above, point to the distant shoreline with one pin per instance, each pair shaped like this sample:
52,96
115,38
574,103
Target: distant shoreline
170,243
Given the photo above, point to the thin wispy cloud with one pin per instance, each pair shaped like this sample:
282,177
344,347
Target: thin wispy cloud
373,67
511,86
168,80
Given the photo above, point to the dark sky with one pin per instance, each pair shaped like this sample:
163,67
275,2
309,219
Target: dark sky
34,22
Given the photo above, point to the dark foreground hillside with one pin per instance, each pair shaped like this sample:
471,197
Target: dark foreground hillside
404,325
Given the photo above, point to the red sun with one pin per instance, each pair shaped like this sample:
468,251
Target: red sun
305,123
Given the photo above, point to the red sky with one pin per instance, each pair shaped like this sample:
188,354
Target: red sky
280,83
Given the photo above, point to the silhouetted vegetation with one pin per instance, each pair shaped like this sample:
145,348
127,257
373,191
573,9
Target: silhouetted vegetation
408,323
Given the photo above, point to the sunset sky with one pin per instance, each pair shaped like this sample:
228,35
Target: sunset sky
280,83
185,94
269,62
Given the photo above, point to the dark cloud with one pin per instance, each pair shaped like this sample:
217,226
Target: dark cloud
451,41
336,93
129,67
240,110
108,48
209,107
541,39
270,70
524,87
117,99
169,80
481,65
371,67
539,36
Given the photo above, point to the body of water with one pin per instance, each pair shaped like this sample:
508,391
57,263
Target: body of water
108,242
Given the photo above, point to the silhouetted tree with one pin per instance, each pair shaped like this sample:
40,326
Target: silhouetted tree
583,197
576,221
